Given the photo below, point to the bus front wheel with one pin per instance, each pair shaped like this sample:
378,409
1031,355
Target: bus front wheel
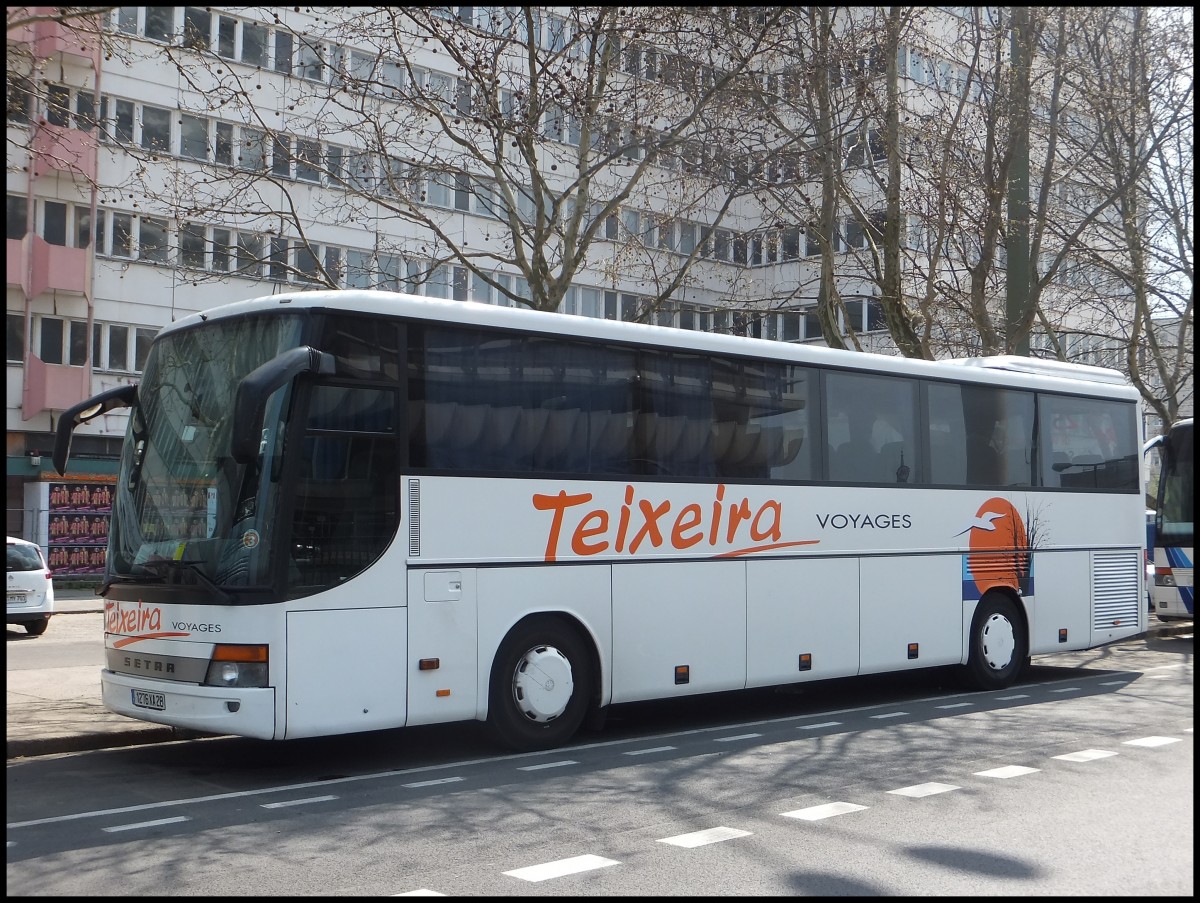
541,685
999,644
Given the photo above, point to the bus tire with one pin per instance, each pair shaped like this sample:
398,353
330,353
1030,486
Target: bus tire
541,685
999,645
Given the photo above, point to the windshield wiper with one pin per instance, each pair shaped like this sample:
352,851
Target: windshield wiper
194,567
125,578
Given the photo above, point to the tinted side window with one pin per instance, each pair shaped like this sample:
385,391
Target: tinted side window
1088,444
871,428
481,401
764,420
980,436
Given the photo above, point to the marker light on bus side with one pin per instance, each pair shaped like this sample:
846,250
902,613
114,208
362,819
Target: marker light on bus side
237,666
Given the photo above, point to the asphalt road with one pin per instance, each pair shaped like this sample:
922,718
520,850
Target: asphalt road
1078,781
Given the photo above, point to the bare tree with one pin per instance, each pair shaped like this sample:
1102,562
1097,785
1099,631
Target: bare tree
585,139
1133,78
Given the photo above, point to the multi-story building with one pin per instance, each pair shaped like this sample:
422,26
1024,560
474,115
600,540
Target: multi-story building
143,185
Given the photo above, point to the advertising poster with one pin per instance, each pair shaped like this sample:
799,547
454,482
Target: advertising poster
77,528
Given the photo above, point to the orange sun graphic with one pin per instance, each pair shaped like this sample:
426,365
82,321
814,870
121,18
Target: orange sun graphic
999,546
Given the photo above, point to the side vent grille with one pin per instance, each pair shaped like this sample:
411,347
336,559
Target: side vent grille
1115,589
414,518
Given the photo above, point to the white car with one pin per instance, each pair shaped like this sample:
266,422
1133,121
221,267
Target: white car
30,588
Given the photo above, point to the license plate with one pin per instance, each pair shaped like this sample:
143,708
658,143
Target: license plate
17,598
145,700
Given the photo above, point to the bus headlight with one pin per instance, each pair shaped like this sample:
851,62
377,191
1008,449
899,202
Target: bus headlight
237,666
1164,577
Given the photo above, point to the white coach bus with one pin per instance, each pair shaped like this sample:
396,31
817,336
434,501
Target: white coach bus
350,511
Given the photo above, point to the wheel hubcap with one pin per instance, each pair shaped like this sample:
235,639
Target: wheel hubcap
542,684
999,642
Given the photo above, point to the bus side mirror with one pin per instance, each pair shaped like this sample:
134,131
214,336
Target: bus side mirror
253,391
120,397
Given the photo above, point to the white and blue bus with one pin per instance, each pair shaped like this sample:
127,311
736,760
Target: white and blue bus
356,510
1171,595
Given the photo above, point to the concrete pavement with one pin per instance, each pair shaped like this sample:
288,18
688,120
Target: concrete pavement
57,710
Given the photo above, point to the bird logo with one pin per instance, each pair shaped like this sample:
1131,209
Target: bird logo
982,521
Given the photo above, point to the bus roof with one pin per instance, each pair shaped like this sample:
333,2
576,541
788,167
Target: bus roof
1031,373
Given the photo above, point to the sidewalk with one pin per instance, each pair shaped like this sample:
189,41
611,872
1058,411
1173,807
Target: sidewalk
65,714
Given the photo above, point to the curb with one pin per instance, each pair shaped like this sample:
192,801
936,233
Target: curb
134,736
45,746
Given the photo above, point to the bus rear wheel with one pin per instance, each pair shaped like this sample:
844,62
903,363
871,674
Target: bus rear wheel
541,685
999,644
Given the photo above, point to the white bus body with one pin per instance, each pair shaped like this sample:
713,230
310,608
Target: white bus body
528,597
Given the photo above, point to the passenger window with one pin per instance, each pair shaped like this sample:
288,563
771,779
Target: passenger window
980,436
871,429
1088,444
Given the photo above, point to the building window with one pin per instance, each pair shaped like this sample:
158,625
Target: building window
152,240
222,250
279,259
50,345
18,213
122,235
58,105
76,342
254,44
160,22
54,223
281,156
358,269
223,151
118,348
389,272
20,99
193,137
312,61
249,254
197,28
122,122
283,52
227,37
308,158
15,338
253,150
156,129
191,245
306,262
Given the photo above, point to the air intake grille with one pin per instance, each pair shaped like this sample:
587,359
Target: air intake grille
1115,589
414,518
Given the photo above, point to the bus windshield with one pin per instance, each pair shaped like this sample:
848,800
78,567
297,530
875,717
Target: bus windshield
187,513
1174,525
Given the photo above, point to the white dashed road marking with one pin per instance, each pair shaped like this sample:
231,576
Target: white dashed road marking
1007,771
431,783
1086,755
311,799
571,866
919,790
1152,741
829,810
548,765
703,838
146,824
